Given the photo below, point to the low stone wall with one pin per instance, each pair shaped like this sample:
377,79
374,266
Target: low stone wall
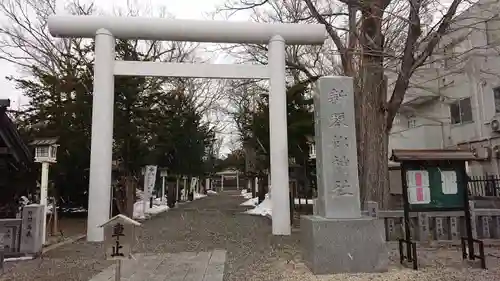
439,226
9,235
22,236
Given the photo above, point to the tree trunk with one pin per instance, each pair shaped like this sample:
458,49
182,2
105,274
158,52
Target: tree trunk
130,187
371,99
171,194
189,190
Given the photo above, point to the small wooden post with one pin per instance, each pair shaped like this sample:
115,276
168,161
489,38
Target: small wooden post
118,270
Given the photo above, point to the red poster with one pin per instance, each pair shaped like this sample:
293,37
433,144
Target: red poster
418,179
420,194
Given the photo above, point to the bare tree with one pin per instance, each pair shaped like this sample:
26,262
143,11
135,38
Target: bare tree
26,43
367,38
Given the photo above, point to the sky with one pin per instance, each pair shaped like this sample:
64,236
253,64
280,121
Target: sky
181,9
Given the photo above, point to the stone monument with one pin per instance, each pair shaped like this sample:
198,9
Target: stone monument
337,238
31,229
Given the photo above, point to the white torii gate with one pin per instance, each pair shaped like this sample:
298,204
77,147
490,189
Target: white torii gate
106,29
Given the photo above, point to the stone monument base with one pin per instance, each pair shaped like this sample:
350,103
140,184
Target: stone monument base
343,245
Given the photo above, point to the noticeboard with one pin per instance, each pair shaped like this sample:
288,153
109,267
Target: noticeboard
119,237
434,187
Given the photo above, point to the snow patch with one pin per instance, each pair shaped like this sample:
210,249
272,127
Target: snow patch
19,259
198,195
251,202
246,194
263,209
157,208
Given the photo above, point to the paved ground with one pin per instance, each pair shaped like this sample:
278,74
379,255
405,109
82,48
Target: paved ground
252,253
186,266
204,225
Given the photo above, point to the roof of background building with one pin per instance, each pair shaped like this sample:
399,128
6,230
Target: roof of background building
399,155
12,139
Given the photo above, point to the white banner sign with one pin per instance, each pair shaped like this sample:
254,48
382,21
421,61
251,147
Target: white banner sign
149,181
194,181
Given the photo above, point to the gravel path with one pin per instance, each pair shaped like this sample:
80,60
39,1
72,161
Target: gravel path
435,264
253,253
211,223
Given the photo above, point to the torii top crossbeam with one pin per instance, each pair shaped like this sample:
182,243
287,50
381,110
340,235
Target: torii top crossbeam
186,30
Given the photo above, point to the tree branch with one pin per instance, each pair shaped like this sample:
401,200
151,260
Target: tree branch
444,25
346,64
409,63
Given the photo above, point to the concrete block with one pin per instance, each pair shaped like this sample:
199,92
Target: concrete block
10,230
343,245
372,208
454,228
31,229
392,233
423,226
486,222
440,229
473,218
497,226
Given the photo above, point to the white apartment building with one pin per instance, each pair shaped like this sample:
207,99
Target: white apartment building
454,102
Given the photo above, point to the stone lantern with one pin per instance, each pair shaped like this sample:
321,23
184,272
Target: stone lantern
45,150
45,153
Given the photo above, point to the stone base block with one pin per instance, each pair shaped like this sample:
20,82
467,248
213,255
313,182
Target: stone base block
343,245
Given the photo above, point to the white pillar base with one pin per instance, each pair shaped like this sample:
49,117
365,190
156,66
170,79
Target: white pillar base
44,184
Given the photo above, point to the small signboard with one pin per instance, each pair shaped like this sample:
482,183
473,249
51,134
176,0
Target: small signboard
434,181
31,230
434,188
163,173
149,181
418,187
119,236
449,182
194,182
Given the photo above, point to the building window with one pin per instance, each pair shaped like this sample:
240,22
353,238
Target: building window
496,97
53,152
461,111
449,52
492,30
42,151
412,122
312,150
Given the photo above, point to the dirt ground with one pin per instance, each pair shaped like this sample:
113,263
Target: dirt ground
68,227
253,253
436,263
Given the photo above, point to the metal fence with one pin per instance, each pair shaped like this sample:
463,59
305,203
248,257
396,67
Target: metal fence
484,186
